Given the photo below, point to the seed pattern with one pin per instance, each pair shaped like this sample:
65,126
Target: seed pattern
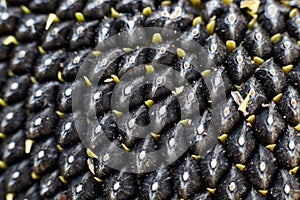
43,44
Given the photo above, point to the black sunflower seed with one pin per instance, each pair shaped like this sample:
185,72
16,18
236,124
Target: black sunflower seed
164,55
66,134
197,33
193,102
258,43
84,188
261,168
44,157
131,6
289,106
127,22
190,10
231,25
9,19
41,96
174,142
14,148
268,125
108,67
50,184
175,18
216,49
286,186
16,88
286,51
101,100
239,65
257,95
106,29
240,145
186,178
43,6
158,89
200,133
72,162
47,66
135,123
58,36
213,166
272,77
97,9
24,59
233,186
83,35
67,8
287,150
31,28
187,71
41,124
64,97
19,177
183,14
158,18
294,79
141,116
72,64
157,185
130,60
271,16
120,185
13,118
132,91
100,167
108,126
212,8
142,162
166,114
230,116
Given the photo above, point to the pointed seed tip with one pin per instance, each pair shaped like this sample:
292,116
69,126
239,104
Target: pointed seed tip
241,167
147,11
263,192
211,190
271,147
79,17
181,53
223,137
157,38
115,78
197,21
277,98
90,153
87,81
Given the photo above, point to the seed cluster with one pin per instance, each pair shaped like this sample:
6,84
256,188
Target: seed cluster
254,45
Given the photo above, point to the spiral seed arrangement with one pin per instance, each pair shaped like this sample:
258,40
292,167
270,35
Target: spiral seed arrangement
254,44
